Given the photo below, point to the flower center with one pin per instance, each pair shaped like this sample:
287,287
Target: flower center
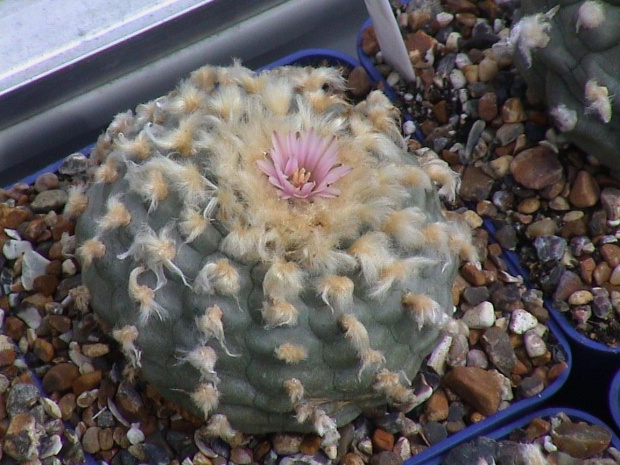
299,177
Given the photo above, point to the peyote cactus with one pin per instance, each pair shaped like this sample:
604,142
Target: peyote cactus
569,54
267,253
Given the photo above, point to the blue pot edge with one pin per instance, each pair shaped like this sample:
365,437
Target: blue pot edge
574,335
614,399
505,430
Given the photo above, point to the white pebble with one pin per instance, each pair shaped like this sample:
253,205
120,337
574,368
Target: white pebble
481,316
14,248
51,408
33,266
135,434
444,18
462,60
457,79
534,344
393,78
521,321
548,444
437,359
68,267
409,127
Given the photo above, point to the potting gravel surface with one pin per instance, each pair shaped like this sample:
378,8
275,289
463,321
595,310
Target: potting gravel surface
556,207
500,146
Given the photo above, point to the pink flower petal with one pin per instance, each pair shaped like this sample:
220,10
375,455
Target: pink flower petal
317,148
278,150
266,167
306,189
335,174
327,161
327,192
291,165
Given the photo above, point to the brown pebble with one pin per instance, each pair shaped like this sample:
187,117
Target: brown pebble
86,382
43,350
310,444
35,229
556,370
60,323
369,42
45,284
537,428
382,440
12,217
46,181
476,386
487,106
60,377
90,440
569,283
611,254
436,407
536,168
14,327
7,357
473,275
351,458
95,350
581,440
512,111
544,227
358,82
601,272
585,191
440,112
67,405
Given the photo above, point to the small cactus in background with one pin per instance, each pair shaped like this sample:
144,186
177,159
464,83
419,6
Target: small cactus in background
568,54
265,252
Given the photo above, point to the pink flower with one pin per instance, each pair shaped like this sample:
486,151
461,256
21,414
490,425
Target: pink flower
303,165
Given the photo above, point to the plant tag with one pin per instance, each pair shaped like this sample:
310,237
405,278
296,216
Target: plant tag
390,38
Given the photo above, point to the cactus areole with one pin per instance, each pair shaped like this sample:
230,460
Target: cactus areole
265,252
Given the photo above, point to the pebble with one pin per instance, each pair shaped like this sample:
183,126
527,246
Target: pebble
499,350
550,248
73,164
476,386
536,168
21,398
287,443
479,317
522,321
585,191
46,201
534,344
581,440
60,377
13,249
382,440
22,438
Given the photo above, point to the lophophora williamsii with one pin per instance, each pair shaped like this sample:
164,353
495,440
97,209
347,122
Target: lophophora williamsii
568,54
266,253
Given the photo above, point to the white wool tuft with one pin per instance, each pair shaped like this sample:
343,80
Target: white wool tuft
565,119
279,313
590,15
599,100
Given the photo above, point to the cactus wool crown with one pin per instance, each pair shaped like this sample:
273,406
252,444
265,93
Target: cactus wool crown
265,252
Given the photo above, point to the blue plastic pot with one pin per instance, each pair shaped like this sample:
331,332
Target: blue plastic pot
614,400
504,431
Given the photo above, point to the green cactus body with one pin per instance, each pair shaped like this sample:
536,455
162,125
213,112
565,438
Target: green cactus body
238,303
568,52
